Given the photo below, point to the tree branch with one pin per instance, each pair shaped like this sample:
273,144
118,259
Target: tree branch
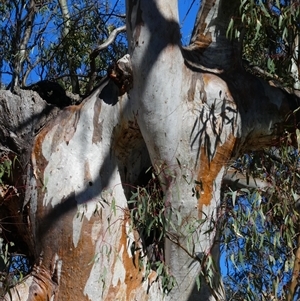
95,52
66,30
209,39
21,50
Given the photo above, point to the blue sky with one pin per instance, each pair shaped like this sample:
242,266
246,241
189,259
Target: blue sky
187,13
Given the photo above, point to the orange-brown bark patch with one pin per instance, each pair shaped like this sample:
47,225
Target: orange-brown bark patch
209,78
209,170
38,160
76,261
57,243
42,287
133,274
203,41
113,290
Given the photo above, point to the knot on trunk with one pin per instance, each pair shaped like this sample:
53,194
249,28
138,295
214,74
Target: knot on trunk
121,74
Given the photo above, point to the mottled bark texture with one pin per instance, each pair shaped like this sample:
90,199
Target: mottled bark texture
187,112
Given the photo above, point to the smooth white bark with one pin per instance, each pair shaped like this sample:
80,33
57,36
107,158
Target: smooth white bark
182,115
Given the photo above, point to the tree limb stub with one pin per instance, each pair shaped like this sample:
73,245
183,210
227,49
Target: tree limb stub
121,74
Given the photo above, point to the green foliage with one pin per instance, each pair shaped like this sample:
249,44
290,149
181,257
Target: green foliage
261,228
5,169
48,53
89,27
13,266
268,30
4,268
157,220
150,217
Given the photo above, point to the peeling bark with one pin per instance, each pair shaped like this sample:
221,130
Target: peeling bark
188,122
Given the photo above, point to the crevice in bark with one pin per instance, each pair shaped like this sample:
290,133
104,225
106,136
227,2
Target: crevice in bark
137,176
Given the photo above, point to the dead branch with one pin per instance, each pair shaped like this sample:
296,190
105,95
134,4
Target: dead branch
96,51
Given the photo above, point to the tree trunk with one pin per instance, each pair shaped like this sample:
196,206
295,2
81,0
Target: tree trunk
187,117
21,40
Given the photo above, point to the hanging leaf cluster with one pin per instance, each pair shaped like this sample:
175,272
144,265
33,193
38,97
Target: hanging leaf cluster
269,30
261,231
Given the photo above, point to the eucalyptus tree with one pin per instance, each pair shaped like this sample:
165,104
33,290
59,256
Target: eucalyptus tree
185,111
